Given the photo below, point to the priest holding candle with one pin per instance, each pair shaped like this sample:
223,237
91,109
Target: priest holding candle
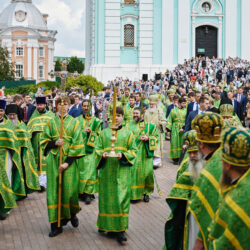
115,157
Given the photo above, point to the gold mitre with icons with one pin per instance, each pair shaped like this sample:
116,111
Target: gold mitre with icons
227,110
190,141
209,127
236,146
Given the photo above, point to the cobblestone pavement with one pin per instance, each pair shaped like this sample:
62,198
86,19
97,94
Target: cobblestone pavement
27,226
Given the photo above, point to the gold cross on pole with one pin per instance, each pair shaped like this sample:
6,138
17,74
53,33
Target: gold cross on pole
64,74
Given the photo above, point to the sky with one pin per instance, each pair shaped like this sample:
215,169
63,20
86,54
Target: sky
68,18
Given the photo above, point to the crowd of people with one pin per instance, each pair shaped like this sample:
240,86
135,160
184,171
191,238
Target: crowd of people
202,107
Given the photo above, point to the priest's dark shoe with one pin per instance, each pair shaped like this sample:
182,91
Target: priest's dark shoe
64,222
145,198
82,197
74,221
55,230
121,237
88,199
42,189
3,216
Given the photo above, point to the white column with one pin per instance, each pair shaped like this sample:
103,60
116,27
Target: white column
146,32
231,28
35,62
220,38
245,29
112,32
183,30
29,61
167,32
193,36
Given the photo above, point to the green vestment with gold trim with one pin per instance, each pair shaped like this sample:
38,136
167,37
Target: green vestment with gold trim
175,121
233,121
124,100
230,228
110,109
87,164
13,185
73,147
128,113
36,126
28,158
205,195
177,201
142,181
115,180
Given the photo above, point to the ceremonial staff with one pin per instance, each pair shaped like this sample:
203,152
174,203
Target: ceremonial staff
60,163
161,131
113,139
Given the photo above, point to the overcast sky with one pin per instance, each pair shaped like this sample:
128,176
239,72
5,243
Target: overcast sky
68,18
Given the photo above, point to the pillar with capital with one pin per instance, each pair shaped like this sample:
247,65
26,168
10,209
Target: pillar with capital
35,60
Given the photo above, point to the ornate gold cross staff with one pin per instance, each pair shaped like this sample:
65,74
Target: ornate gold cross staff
64,74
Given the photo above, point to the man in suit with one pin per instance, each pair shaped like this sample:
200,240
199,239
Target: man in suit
173,105
241,98
73,111
193,106
78,105
28,108
203,107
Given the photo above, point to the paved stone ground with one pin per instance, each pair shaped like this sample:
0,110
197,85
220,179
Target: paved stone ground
27,226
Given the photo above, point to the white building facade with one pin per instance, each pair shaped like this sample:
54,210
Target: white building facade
130,38
24,32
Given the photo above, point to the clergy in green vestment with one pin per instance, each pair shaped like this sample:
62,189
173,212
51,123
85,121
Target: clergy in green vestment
230,228
25,148
175,124
181,192
115,178
36,126
146,139
205,196
90,129
10,164
110,108
227,112
72,149
129,109
125,97
217,99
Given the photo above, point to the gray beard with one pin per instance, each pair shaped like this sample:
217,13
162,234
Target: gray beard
152,110
195,167
14,122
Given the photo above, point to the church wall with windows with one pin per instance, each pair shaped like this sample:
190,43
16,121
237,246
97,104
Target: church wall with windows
159,34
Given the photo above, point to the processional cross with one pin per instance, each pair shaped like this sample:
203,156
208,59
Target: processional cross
64,74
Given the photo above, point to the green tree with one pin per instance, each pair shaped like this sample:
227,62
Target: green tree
75,64
85,82
58,65
7,72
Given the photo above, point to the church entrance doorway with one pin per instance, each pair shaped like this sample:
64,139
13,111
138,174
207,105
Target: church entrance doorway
206,43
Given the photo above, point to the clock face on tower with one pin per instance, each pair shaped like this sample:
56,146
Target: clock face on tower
20,16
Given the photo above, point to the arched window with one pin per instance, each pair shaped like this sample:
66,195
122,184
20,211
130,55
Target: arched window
129,35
